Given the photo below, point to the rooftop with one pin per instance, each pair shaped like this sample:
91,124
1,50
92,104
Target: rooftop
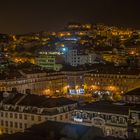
133,92
136,108
110,69
10,75
37,101
65,130
32,71
56,130
106,107
42,101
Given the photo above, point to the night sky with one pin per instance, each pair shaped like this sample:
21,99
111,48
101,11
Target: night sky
22,16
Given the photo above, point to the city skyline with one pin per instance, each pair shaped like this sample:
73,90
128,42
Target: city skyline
70,70
33,16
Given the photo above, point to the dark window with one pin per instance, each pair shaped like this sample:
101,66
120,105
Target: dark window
15,115
11,124
32,118
6,123
11,115
20,125
39,118
25,117
66,116
6,114
61,117
20,116
1,122
16,125
1,114
25,125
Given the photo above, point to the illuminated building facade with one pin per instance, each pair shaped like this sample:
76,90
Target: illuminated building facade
115,80
77,57
75,81
21,111
132,97
117,120
39,82
48,60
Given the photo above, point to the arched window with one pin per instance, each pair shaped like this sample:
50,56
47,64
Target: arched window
121,120
114,119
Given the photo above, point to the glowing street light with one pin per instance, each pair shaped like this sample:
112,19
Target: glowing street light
1,132
76,87
47,91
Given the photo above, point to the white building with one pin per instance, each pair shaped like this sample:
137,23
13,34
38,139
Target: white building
21,111
117,120
75,57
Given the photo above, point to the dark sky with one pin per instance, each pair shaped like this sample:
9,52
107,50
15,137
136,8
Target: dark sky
22,16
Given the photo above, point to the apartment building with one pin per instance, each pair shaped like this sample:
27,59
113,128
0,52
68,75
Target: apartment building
112,79
20,111
76,57
115,119
38,81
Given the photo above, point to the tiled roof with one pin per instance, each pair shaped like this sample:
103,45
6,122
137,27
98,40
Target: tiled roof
133,92
106,107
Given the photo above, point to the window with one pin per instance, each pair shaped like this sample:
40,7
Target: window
61,117
6,123
6,114
16,125
11,124
1,114
113,132
121,121
11,115
107,117
120,133
39,118
114,119
1,122
20,116
15,115
25,125
6,130
20,125
134,115
32,118
66,116
25,117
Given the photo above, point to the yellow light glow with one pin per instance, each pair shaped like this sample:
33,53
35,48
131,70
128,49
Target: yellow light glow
1,132
112,88
94,87
47,92
132,52
76,87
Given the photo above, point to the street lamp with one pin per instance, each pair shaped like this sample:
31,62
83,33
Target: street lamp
47,91
76,87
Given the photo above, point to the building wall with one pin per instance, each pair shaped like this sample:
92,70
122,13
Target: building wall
111,82
75,78
74,58
49,62
17,119
37,83
134,99
111,124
